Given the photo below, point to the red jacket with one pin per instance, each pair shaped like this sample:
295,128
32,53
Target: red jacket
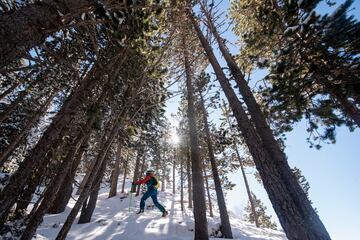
143,181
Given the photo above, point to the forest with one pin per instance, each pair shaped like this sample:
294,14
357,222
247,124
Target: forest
84,86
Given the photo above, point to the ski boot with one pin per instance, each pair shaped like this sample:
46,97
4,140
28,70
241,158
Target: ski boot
164,214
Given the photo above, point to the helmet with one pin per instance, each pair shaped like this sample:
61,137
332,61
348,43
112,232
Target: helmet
148,172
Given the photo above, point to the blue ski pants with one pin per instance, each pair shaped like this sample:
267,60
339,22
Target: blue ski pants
153,194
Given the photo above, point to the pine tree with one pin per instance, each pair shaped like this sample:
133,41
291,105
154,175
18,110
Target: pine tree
263,219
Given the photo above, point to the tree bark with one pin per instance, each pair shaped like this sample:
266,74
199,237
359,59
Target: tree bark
87,211
225,222
52,134
86,190
174,176
29,26
115,172
37,177
62,197
27,193
182,185
54,187
208,192
201,228
188,171
137,166
125,174
141,171
296,215
248,191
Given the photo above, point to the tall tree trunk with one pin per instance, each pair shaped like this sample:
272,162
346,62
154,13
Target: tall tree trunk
137,168
35,158
27,193
86,212
251,200
248,191
115,172
182,185
188,171
296,215
141,171
173,182
87,174
208,192
37,176
125,174
62,197
53,134
54,186
163,181
201,228
86,190
29,26
225,222
14,142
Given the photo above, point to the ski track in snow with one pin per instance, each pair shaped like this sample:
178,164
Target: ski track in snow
112,220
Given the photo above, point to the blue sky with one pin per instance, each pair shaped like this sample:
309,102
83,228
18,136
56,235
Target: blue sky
333,171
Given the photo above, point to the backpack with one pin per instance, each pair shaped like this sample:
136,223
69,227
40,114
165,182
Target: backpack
157,184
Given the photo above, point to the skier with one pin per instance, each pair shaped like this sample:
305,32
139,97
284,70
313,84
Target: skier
152,184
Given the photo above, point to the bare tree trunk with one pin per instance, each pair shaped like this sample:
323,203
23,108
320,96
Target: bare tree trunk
208,192
37,176
125,174
53,188
87,211
137,167
173,182
84,180
201,228
141,171
182,185
115,172
86,190
17,181
29,26
294,210
28,192
248,191
163,182
225,222
188,171
62,197
251,200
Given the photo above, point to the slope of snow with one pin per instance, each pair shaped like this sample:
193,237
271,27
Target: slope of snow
115,218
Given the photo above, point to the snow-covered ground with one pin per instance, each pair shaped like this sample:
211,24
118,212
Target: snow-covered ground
113,219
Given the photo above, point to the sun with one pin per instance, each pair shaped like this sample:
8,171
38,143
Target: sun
174,138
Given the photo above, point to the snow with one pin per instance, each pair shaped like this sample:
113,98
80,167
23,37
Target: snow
290,30
113,219
300,2
309,17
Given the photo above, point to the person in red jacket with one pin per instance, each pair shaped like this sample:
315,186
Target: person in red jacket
151,183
